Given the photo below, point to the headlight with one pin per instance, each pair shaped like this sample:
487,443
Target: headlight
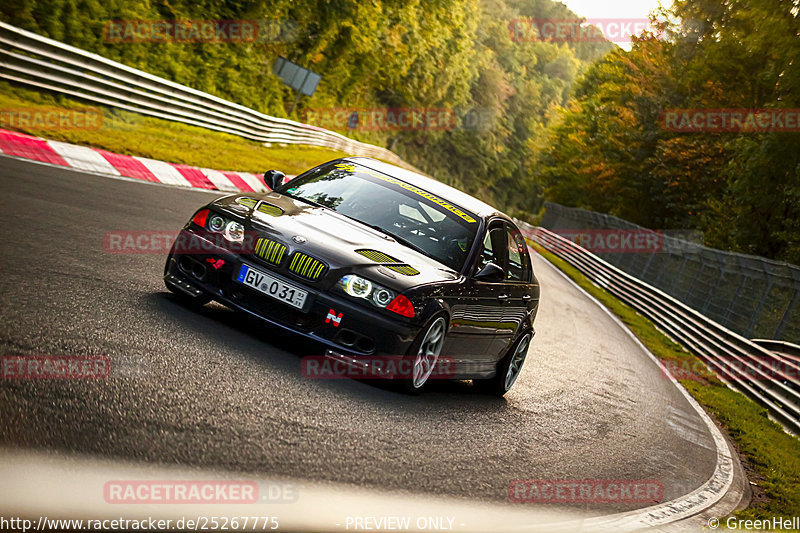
216,223
234,232
382,297
358,287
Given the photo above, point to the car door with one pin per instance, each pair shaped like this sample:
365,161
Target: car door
477,313
516,288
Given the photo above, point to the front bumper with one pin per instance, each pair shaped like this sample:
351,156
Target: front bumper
361,331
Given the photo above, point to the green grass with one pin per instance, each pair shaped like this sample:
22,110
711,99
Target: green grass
133,134
772,455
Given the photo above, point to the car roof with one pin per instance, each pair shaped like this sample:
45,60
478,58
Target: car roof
431,185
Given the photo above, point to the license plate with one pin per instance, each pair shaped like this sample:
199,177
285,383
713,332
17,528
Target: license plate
272,286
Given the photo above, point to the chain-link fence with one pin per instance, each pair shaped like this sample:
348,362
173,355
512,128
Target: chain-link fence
750,295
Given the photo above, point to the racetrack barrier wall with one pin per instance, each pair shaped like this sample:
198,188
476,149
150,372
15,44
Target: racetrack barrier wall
751,295
770,378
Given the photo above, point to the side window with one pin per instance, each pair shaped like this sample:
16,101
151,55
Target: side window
493,248
519,262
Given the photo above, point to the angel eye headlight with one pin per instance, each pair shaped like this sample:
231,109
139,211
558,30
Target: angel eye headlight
359,287
216,223
356,286
234,231
382,297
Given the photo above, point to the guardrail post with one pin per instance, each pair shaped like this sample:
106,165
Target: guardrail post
726,319
711,295
647,265
759,307
787,314
677,277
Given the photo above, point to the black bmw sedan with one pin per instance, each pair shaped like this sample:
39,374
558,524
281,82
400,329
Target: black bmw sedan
371,261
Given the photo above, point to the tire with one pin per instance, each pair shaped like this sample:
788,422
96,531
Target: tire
509,368
424,353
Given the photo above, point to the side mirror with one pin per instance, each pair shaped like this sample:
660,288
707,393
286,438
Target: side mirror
491,273
274,178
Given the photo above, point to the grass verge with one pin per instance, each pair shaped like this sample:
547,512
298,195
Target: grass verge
772,457
133,134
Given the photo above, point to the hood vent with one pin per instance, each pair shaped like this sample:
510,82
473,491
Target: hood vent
269,209
389,262
376,256
247,202
406,270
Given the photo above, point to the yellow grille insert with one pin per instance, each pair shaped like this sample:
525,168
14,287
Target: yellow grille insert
306,266
270,251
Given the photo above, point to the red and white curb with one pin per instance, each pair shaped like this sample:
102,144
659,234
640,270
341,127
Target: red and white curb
141,168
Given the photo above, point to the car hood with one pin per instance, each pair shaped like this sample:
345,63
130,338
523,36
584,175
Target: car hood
335,240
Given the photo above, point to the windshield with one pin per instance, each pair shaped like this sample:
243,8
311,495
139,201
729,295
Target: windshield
414,217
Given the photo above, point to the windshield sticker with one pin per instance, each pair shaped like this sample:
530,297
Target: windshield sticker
416,190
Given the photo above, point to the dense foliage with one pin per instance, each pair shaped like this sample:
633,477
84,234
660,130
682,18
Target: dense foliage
455,54
609,151
597,144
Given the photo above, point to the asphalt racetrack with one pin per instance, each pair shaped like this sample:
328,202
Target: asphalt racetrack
217,390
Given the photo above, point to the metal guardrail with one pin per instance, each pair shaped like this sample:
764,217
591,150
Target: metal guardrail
36,61
769,378
751,295
783,349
